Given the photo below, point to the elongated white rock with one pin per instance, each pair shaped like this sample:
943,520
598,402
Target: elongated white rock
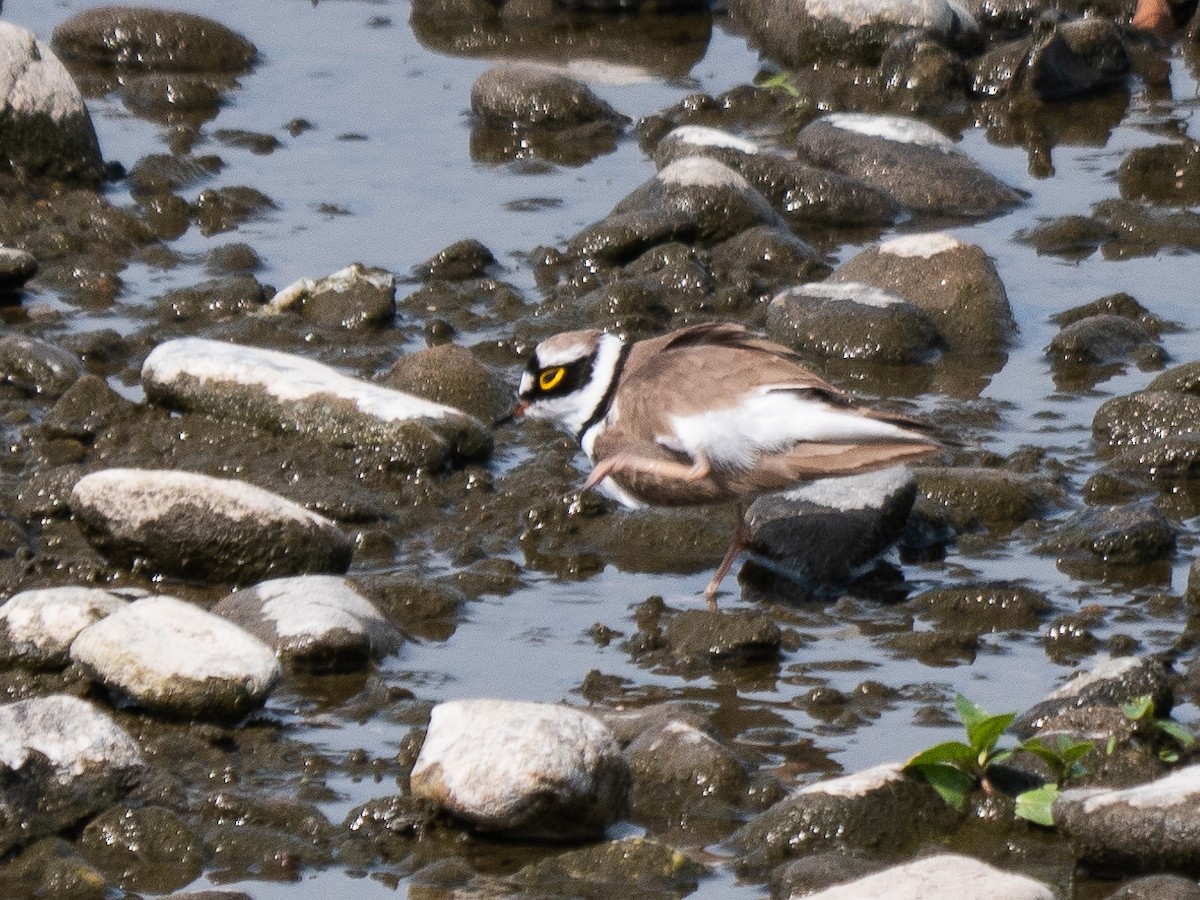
316,622
172,657
61,759
946,876
37,627
528,769
196,526
290,393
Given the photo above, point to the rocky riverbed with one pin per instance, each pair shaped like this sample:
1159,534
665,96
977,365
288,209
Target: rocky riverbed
282,612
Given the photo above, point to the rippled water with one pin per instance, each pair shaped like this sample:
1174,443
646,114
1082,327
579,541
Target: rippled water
410,187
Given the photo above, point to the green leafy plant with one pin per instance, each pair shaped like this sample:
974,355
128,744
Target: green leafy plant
779,81
1141,712
955,768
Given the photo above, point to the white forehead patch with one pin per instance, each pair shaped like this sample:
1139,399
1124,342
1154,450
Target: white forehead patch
560,356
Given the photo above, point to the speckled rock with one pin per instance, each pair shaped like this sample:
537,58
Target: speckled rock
908,159
795,32
620,238
354,297
463,259
851,320
61,760
1127,535
47,130
1144,230
523,769
719,200
1071,59
769,258
36,367
970,496
1108,685
945,876
450,374
632,867
1145,417
196,526
989,606
312,622
162,40
150,848
801,193
830,530
706,637
212,300
921,75
954,282
174,658
1146,828
16,268
1184,379
290,393
882,808
38,626
1103,339
1167,174
538,96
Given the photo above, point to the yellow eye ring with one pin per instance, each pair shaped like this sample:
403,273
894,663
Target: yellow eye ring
549,378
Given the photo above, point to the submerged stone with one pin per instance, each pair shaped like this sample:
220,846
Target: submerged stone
285,392
522,769
1127,535
174,658
633,867
149,848
512,94
196,526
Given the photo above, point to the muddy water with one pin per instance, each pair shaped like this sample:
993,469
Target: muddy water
386,177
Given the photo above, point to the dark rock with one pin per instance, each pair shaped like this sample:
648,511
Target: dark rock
1102,339
1107,686
993,497
529,95
1072,237
1074,58
851,320
354,298
922,75
16,268
621,238
1145,417
254,141
1129,535
161,172
1168,174
212,300
633,867
86,408
1117,305
1184,379
771,258
908,159
37,368
711,637
217,210
461,260
162,40
147,848
450,374
1144,230
989,606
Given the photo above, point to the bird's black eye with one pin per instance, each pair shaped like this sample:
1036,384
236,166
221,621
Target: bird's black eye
549,379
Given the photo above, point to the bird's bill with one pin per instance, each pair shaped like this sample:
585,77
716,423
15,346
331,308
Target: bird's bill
517,412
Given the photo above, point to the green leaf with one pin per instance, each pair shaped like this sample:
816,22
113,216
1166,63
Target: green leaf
1111,745
780,80
1037,805
952,783
1177,731
983,729
969,713
1139,708
1168,756
953,753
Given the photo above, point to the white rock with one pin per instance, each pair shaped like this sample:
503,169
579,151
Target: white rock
61,760
173,657
703,136
901,129
1108,670
197,526
313,621
923,245
857,784
943,877
37,627
701,171
340,282
528,769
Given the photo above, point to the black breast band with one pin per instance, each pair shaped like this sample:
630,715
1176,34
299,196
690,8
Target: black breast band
601,409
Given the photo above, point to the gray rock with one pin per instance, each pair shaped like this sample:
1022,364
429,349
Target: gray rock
909,160
708,637
38,626
831,530
162,40
16,268
622,237
921,75
771,258
290,393
943,877
174,658
61,760
463,259
1157,887
1146,417
212,300
1144,230
632,867
150,848
851,320
795,32
1183,379
1101,339
1074,58
354,297
882,808
523,769
36,367
451,375
313,622
801,193
1106,686
196,526
720,201
47,131
512,94
1126,535
86,409
955,283
1151,827
990,606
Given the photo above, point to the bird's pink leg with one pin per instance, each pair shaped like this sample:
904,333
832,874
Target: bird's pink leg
659,468
741,537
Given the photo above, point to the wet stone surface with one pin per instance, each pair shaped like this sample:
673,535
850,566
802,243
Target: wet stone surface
308,278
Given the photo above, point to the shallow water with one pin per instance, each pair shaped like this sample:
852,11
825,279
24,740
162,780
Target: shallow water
410,187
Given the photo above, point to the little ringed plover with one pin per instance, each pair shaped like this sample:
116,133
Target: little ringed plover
707,414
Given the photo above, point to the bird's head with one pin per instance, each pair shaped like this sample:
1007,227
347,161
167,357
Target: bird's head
568,378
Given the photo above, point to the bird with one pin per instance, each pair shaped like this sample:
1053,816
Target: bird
708,414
